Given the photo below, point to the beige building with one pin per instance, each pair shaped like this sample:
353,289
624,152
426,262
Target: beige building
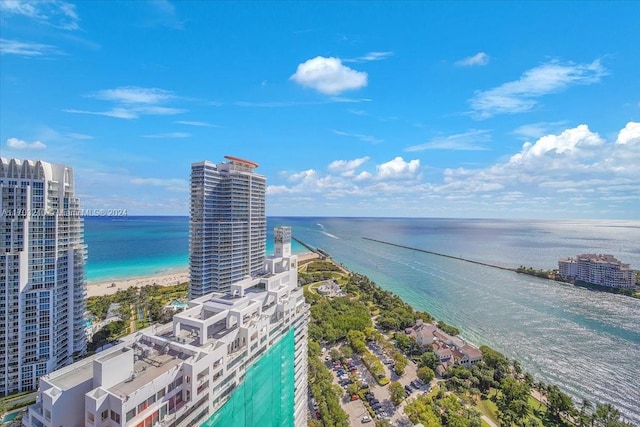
598,269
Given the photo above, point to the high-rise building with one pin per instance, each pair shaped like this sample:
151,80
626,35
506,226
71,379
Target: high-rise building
42,257
598,269
228,225
232,359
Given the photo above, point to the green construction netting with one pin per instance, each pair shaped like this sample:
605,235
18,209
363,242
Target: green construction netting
266,396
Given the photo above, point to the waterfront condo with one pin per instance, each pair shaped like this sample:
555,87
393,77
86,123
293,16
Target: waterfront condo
229,359
598,269
42,257
228,224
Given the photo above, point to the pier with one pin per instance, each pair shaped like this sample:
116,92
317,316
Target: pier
486,264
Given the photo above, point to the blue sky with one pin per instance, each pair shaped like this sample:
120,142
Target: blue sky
431,109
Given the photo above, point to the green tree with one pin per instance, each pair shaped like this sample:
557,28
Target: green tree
334,354
429,359
314,348
513,402
352,389
558,403
426,374
404,341
400,363
396,392
607,416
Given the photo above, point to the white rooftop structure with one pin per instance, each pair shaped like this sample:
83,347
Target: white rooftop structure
181,373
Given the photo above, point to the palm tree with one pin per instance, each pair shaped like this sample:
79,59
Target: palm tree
583,417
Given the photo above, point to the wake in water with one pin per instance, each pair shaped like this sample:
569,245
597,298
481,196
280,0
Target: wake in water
330,235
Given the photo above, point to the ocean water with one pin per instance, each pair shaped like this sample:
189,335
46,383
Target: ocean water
124,247
585,341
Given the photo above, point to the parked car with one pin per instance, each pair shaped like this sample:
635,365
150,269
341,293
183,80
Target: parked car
365,419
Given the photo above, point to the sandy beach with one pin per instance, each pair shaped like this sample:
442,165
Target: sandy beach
174,277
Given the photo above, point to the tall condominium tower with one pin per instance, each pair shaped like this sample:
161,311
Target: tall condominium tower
228,224
42,256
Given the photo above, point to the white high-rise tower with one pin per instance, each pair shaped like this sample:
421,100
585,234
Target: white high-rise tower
228,227
42,257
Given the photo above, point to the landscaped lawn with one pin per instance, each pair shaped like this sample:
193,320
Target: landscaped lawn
488,408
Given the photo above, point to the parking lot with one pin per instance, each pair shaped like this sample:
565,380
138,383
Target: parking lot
377,397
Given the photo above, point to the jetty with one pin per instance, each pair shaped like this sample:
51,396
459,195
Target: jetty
486,264
321,253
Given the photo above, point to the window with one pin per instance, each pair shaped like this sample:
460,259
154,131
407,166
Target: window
160,394
115,416
104,415
131,414
90,417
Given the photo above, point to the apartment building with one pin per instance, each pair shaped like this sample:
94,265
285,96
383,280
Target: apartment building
228,224
235,358
42,258
598,269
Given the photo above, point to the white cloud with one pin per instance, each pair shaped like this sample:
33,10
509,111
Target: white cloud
576,160
571,173
479,58
630,134
132,102
371,56
570,142
78,136
15,47
120,113
328,76
302,176
521,95
361,137
398,169
169,184
130,112
168,135
19,144
536,130
134,95
56,13
347,167
467,141
196,123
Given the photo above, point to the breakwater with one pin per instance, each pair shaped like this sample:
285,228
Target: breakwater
486,264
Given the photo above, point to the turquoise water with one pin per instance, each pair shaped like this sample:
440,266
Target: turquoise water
179,304
121,248
587,342
10,417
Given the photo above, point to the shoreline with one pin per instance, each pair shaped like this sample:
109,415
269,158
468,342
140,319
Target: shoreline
174,276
